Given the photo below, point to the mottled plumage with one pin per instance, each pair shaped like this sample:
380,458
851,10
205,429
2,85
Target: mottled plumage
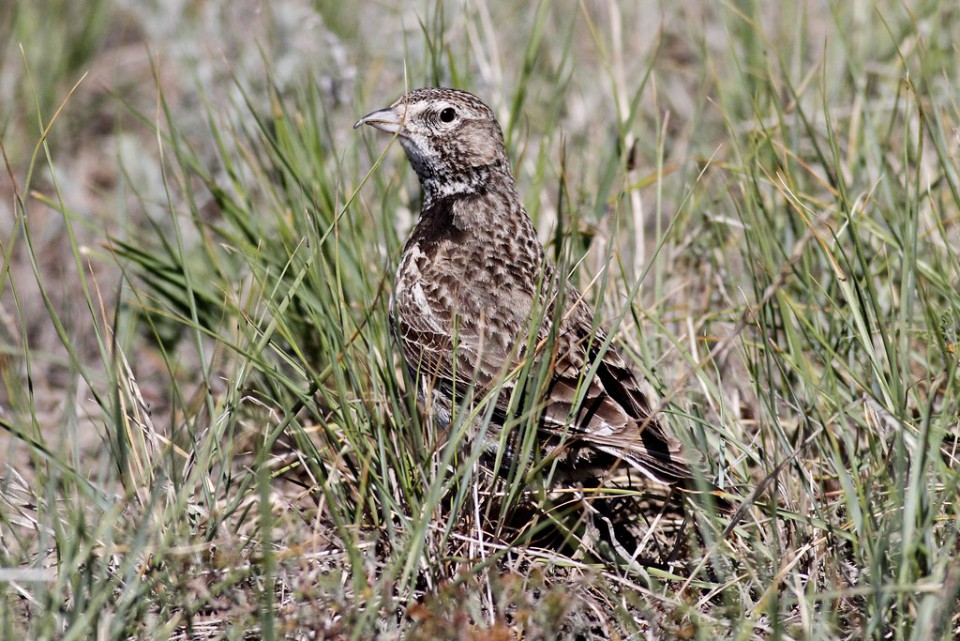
473,276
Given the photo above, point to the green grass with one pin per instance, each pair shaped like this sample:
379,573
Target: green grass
205,430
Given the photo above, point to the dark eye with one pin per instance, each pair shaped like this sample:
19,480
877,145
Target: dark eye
448,114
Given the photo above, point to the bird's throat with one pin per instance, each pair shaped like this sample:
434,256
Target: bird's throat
439,184
472,207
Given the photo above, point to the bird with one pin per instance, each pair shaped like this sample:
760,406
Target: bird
474,284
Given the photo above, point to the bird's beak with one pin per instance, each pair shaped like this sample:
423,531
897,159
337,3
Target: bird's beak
388,120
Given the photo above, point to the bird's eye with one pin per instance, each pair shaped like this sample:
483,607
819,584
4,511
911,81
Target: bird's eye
448,114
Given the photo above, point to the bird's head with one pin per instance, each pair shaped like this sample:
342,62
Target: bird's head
451,137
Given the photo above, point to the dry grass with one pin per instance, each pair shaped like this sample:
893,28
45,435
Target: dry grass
204,431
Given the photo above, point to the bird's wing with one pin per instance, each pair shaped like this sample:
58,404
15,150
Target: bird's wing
609,412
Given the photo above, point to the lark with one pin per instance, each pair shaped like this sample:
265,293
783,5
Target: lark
472,280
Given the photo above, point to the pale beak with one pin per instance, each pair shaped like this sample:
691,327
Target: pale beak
387,120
